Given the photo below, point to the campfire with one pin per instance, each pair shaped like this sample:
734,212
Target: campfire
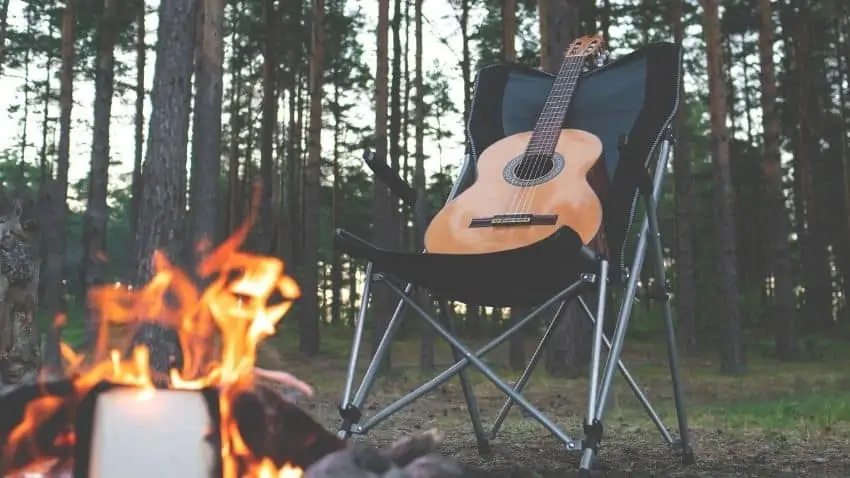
219,329
213,413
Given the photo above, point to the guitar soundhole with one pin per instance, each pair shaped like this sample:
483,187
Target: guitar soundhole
534,167
533,170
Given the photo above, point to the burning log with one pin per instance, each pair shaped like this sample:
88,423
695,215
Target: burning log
270,424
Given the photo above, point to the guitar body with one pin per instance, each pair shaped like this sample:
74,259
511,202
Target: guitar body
528,205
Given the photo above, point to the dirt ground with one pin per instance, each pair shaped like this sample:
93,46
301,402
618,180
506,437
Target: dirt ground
788,420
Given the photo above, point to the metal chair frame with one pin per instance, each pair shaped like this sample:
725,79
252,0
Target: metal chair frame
601,377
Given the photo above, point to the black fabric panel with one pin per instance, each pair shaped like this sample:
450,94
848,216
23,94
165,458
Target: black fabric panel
605,103
661,101
520,277
485,120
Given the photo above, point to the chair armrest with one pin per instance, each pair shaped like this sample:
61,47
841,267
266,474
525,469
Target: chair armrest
390,178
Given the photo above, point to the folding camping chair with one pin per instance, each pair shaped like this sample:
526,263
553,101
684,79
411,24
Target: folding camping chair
629,104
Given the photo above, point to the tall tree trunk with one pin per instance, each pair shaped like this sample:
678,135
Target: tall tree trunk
139,117
57,192
516,354
733,359
293,153
264,238
815,255
569,350
381,200
18,180
43,163
843,57
97,214
428,335
508,30
395,125
4,25
293,191
164,168
53,198
206,125
605,22
780,250
234,194
406,241
685,265
336,196
308,320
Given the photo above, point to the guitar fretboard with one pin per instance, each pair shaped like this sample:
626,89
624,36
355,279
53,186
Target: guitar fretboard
551,120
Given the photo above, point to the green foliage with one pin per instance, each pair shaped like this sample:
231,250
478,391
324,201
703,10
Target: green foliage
348,113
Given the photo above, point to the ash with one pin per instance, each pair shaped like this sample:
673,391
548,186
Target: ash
410,457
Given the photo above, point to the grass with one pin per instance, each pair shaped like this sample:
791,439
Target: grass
776,417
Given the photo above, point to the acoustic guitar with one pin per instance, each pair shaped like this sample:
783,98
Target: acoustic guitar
529,184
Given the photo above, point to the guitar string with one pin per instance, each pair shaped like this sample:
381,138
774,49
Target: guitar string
541,161
518,201
525,197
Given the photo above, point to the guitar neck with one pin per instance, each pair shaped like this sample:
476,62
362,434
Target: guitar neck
551,119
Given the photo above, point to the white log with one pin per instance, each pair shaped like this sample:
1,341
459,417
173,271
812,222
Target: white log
151,434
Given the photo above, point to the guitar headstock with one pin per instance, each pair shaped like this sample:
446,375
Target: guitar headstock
590,48
585,46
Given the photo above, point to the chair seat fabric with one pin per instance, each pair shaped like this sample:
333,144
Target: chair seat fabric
526,276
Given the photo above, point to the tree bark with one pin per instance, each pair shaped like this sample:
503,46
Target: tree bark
164,166
516,344
815,254
308,320
20,344
336,196
139,117
568,351
777,212
428,335
4,25
732,359
395,125
43,162
381,199
234,194
682,179
508,30
97,213
164,169
55,195
264,231
206,124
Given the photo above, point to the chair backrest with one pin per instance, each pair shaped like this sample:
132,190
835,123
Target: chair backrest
629,104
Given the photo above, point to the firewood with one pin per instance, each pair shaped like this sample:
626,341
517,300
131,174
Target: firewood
273,426
410,457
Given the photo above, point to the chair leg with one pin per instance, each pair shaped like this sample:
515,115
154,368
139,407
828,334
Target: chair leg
466,386
350,410
529,369
633,385
672,354
593,424
468,360
471,358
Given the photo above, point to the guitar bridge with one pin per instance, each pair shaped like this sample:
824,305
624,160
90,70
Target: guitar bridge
514,220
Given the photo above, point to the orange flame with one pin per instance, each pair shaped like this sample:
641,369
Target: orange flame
238,308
